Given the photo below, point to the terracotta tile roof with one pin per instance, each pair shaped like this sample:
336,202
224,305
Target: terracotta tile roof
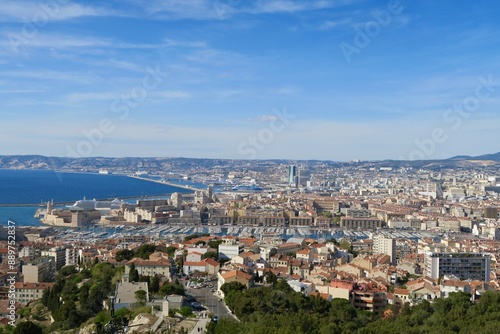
237,273
211,262
42,285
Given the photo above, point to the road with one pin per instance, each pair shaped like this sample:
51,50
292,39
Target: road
210,300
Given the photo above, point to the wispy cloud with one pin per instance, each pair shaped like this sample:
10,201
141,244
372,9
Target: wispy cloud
188,44
64,41
20,10
265,118
91,97
180,9
286,90
172,94
21,91
332,24
50,75
290,6
219,9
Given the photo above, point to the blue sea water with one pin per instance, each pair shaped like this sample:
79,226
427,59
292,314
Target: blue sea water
35,186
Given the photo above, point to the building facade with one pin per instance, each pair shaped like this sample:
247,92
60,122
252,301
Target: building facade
40,270
360,222
465,266
58,254
229,249
384,244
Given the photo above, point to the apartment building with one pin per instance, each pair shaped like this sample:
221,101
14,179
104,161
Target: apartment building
465,266
384,244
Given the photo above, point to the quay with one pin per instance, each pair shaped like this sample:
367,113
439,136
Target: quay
187,187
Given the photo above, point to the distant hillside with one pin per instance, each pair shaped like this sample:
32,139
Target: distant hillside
159,164
484,157
493,157
460,157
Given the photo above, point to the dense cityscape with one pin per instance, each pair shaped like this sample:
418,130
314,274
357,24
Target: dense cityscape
380,235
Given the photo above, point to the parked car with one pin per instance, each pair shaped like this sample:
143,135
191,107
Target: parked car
197,306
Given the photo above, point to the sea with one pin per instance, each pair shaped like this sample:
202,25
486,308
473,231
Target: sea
39,186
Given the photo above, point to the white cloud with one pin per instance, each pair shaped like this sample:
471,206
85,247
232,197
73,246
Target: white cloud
289,6
91,97
189,44
47,75
184,9
43,11
223,9
173,94
21,91
266,118
64,41
331,24
286,90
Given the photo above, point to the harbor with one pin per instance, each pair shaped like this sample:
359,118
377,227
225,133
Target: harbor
97,233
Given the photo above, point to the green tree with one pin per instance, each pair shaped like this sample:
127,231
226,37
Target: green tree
133,274
283,285
256,277
144,251
271,278
211,255
170,250
124,254
342,311
154,285
232,286
186,311
67,270
140,296
27,327
124,312
172,289
214,244
196,235
45,296
345,244
145,279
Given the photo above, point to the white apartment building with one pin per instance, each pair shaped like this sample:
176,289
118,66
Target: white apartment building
384,244
465,266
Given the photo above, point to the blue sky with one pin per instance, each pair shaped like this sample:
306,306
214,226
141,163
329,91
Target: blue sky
315,79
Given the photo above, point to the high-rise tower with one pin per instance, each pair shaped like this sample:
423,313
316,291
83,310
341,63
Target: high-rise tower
292,173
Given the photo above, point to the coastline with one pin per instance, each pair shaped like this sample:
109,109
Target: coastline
23,211
69,202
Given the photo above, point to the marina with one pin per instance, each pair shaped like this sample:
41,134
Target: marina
100,232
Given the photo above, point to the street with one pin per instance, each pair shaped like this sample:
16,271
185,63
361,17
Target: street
210,300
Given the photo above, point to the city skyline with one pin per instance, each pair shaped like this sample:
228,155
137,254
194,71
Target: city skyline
328,80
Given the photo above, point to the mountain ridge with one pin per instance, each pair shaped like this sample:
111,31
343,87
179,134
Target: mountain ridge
34,161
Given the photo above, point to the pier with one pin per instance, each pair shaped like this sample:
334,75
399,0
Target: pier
166,183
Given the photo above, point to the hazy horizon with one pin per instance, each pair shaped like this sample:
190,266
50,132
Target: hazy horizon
215,158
